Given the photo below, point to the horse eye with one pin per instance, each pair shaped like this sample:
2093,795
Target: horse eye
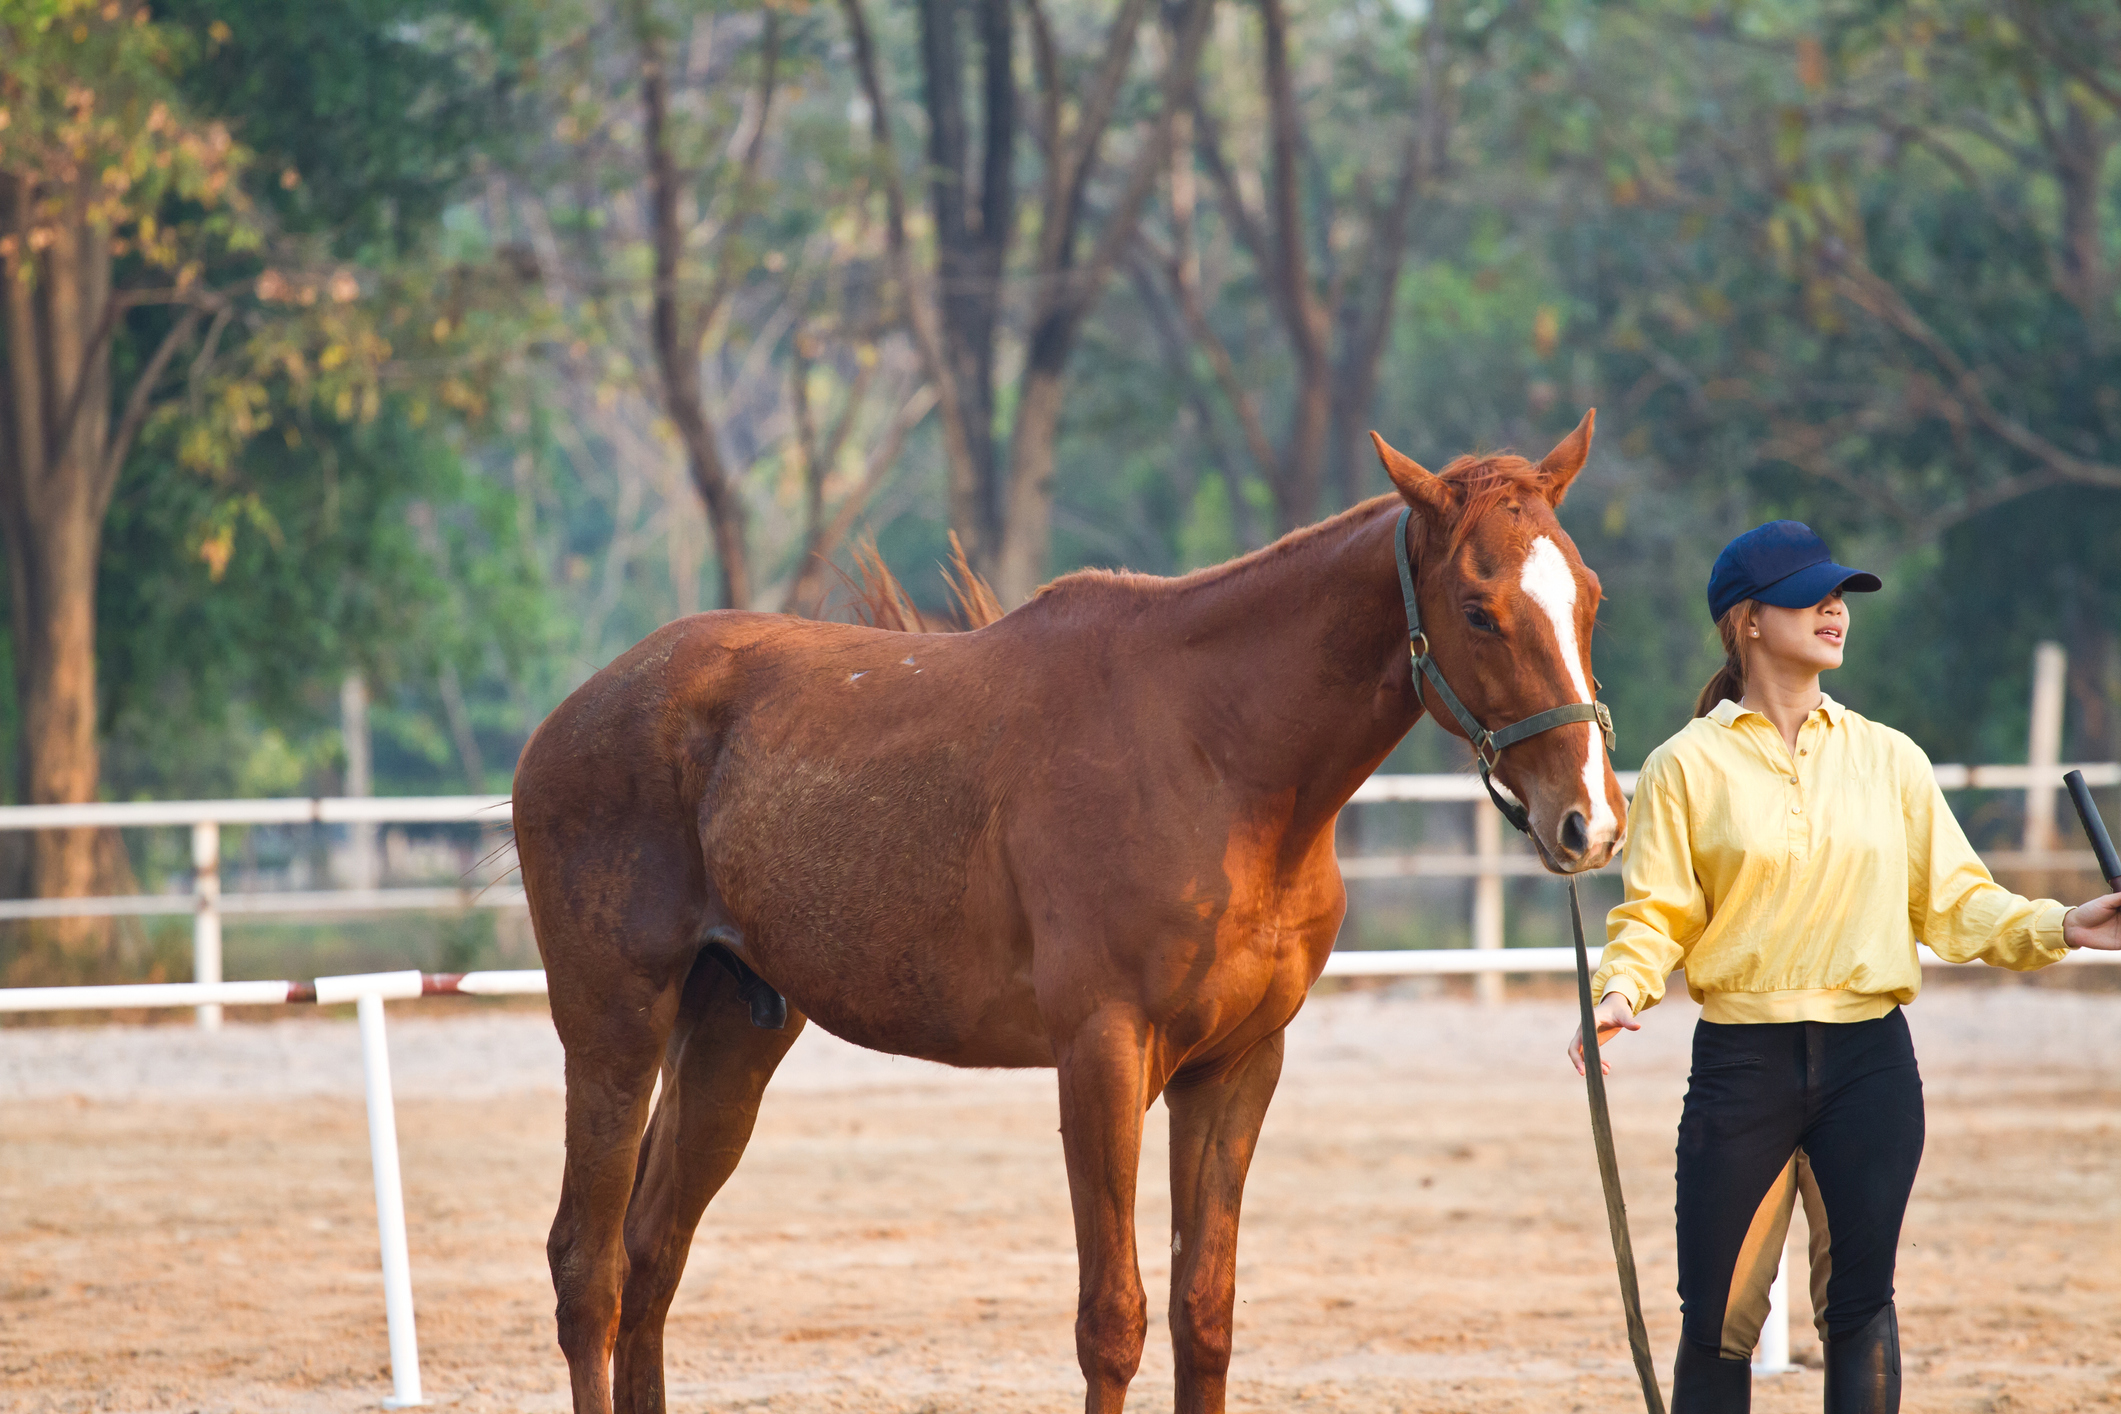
1481,619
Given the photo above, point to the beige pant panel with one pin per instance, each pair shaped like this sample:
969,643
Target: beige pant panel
1821,1242
1759,1258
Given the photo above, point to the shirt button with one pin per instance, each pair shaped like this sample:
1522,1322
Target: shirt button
1796,810
1793,780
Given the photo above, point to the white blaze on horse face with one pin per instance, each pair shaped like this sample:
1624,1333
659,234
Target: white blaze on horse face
1550,583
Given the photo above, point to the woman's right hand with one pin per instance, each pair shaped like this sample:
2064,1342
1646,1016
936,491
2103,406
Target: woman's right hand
1614,1016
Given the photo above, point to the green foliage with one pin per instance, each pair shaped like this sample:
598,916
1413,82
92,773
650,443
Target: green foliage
387,551
367,117
325,492
1744,232
90,112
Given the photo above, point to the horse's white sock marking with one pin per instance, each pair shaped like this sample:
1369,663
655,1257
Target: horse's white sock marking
1550,583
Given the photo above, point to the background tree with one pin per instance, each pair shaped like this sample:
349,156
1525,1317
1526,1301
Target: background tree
1002,515
167,301
96,150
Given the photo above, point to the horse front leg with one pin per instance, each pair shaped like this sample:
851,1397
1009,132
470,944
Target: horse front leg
1216,1113
1104,1088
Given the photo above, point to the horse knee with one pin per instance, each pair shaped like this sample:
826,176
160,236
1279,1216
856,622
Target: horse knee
1109,1331
1200,1326
587,1310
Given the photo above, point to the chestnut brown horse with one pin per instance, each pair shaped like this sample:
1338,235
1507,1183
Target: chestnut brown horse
1095,834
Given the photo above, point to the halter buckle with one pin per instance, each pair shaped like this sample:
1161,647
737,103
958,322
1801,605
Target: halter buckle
1420,637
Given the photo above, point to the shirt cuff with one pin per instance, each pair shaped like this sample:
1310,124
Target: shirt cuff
2047,930
1623,984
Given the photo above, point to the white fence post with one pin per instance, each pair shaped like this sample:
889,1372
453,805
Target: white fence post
206,919
1772,1355
2043,749
1487,896
367,992
362,836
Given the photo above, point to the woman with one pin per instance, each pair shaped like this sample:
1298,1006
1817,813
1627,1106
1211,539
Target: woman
1790,853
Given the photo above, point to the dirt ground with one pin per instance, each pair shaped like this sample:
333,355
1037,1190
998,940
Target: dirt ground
186,1222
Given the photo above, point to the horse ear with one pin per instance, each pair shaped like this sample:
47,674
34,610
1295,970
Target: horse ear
1559,467
1423,489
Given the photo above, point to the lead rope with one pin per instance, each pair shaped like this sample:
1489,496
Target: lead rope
1616,1208
1487,750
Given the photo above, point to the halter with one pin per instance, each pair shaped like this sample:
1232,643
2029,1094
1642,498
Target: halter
1487,746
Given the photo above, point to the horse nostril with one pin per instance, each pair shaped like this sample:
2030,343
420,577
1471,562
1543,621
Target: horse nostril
1575,833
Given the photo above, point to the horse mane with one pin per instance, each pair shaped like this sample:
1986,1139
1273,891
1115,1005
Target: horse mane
1483,482
881,601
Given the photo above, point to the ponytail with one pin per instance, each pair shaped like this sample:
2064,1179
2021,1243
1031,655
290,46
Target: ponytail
1729,681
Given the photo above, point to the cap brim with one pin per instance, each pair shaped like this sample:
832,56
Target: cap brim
1806,587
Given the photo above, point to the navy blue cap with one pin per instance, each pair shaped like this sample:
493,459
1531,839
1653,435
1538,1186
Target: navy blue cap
1781,563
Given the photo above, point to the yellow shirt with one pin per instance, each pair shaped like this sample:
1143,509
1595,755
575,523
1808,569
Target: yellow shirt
1795,887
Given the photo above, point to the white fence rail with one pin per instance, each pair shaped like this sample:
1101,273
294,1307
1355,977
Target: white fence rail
1489,864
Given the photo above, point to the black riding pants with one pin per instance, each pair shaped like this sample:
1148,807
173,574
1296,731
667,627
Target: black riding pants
1829,1111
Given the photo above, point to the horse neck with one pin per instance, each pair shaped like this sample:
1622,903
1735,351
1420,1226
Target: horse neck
1309,680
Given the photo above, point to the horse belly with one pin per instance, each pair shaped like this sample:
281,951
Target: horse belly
870,890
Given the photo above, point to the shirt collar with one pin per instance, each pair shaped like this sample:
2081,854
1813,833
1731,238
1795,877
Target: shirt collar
1726,713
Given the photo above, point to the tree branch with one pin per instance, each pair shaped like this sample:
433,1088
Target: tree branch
106,326
882,458
1863,288
920,313
1125,216
1076,156
1227,378
725,269
137,404
1208,141
2068,57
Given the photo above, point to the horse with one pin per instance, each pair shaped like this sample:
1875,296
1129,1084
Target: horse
1094,835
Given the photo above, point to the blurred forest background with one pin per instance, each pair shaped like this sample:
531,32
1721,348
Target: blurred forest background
430,354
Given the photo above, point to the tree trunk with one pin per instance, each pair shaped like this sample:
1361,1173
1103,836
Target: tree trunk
1365,317
2080,152
1296,490
1067,290
973,231
56,476
677,331
1031,460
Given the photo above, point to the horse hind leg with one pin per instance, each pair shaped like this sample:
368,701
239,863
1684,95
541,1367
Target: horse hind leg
608,1090
715,1069
617,940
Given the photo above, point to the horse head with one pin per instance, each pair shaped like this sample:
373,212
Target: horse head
1507,606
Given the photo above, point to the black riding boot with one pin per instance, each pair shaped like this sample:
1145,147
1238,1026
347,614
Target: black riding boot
1703,1382
1863,1367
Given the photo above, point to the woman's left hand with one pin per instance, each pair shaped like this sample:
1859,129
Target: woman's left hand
2094,925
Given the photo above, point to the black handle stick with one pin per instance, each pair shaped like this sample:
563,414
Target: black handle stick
2080,795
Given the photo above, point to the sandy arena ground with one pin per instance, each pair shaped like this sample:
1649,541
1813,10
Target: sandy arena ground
186,1222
